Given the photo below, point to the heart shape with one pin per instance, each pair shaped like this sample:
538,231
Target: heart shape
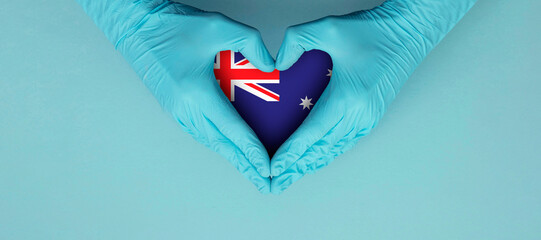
273,104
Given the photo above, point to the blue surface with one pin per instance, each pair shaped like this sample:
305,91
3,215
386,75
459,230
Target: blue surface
87,153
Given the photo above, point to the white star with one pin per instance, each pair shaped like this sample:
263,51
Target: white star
306,103
330,73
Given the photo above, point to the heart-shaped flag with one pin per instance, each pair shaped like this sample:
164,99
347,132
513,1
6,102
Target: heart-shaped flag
273,104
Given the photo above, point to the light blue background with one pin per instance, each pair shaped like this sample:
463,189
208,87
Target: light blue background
87,153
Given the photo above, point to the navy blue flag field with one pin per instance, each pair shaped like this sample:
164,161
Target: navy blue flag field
273,104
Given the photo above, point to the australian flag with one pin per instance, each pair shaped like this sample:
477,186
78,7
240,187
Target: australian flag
273,104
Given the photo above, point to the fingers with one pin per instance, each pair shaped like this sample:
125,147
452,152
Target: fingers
308,163
317,156
232,127
284,181
246,40
256,52
297,40
314,160
224,146
246,157
206,114
324,121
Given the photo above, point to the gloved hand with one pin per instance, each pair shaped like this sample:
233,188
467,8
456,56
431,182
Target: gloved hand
172,47
373,52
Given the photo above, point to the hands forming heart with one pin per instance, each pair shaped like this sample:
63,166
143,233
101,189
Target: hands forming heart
172,47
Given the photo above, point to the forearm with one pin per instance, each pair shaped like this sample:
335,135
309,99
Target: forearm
425,21
116,17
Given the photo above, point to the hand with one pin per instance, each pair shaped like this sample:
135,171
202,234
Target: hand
373,52
172,47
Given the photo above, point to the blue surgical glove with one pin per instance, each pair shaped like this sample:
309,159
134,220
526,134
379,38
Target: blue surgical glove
374,52
172,47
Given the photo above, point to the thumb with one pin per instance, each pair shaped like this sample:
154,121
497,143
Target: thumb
250,44
295,43
256,52
242,38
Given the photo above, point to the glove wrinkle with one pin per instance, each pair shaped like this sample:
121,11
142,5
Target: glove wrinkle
307,148
171,47
141,22
211,123
374,52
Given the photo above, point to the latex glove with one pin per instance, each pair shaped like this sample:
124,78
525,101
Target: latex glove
172,47
373,52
